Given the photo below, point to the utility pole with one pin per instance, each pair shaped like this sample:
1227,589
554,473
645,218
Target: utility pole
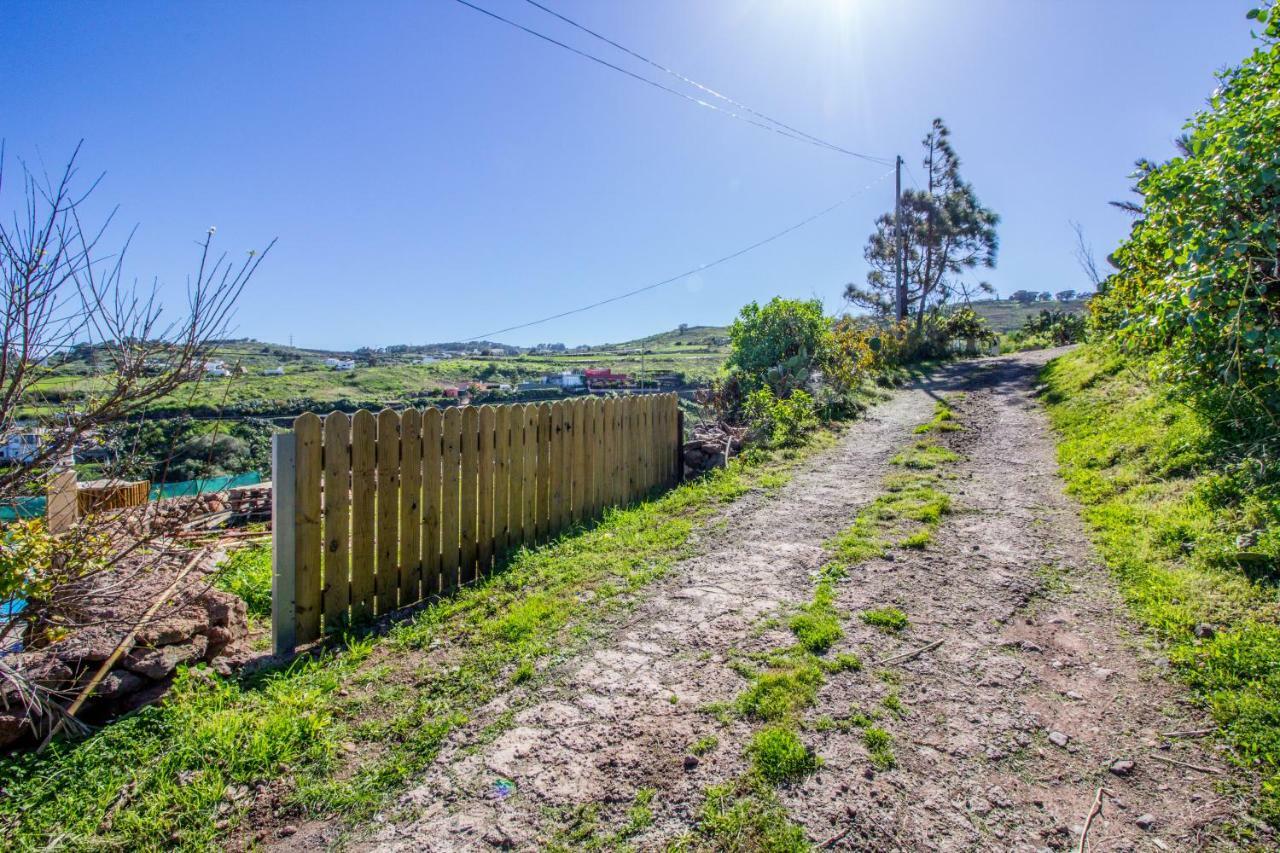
899,262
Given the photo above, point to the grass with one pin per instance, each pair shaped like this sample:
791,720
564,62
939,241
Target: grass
879,744
780,692
944,420
247,573
925,456
743,816
778,755
889,619
911,506
704,745
1192,534
158,779
817,625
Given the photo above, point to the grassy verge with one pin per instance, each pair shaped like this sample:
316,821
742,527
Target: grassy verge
335,735
1192,534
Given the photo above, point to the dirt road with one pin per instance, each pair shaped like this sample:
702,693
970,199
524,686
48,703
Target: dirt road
1006,730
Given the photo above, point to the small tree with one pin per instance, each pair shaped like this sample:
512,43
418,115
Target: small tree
1065,295
945,230
63,293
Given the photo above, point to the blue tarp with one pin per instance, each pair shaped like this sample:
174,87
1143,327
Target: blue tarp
33,507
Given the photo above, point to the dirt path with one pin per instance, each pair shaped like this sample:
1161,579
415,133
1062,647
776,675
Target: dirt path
1034,642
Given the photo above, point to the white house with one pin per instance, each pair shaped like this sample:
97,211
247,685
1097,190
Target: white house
344,364
566,380
273,371
331,362
21,446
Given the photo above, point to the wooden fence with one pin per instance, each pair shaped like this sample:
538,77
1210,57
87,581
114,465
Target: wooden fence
376,512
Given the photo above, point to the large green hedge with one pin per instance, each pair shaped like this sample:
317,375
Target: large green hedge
1198,280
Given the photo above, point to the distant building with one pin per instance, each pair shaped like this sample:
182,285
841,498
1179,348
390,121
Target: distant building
22,447
344,364
604,377
566,380
273,371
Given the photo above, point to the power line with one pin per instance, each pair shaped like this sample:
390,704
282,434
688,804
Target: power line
699,101
619,297
707,89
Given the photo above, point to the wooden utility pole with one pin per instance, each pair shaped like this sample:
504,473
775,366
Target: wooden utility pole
899,265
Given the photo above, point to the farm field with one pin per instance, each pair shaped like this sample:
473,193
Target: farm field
697,354
1005,315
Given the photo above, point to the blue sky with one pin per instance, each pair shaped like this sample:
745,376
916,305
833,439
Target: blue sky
432,174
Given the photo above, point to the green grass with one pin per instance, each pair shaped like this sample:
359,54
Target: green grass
918,540
780,692
879,744
817,625
944,420
1191,533
247,573
778,755
743,816
925,456
911,506
704,745
889,619
158,778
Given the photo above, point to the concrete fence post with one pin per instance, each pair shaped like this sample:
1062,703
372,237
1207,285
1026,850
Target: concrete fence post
283,542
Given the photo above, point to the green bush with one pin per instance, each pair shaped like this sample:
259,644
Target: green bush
247,573
781,422
1197,284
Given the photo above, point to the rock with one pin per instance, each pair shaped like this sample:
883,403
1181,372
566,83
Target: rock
1146,821
13,727
1059,739
167,632
1122,767
158,663
287,830
119,682
92,645
1204,631
690,762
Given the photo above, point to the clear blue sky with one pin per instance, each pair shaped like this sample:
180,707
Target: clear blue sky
432,174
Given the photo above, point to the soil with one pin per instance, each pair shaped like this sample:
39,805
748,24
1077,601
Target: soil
1009,727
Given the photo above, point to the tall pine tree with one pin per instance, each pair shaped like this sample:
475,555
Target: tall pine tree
946,231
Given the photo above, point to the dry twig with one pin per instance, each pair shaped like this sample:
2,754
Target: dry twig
1200,768
906,656
1094,811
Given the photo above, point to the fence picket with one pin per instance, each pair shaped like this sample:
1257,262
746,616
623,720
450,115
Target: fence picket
543,479
410,506
529,476
501,481
468,506
387,576
308,547
431,453
336,592
484,490
449,500
364,519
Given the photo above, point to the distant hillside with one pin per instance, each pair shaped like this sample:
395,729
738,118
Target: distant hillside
1005,315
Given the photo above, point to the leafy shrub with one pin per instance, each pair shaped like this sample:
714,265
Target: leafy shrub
782,422
1197,282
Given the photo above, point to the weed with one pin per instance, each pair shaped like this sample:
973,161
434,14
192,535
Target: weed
817,625
944,420
889,619
880,744
777,693
843,662
918,540
247,573
742,816
778,755
704,745
893,704
925,456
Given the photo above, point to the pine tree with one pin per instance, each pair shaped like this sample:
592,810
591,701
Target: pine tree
946,231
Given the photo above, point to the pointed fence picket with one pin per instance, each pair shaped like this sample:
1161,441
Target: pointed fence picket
378,512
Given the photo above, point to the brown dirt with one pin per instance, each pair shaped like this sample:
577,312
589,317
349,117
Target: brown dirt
1035,640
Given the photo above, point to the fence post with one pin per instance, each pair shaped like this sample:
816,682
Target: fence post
283,501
